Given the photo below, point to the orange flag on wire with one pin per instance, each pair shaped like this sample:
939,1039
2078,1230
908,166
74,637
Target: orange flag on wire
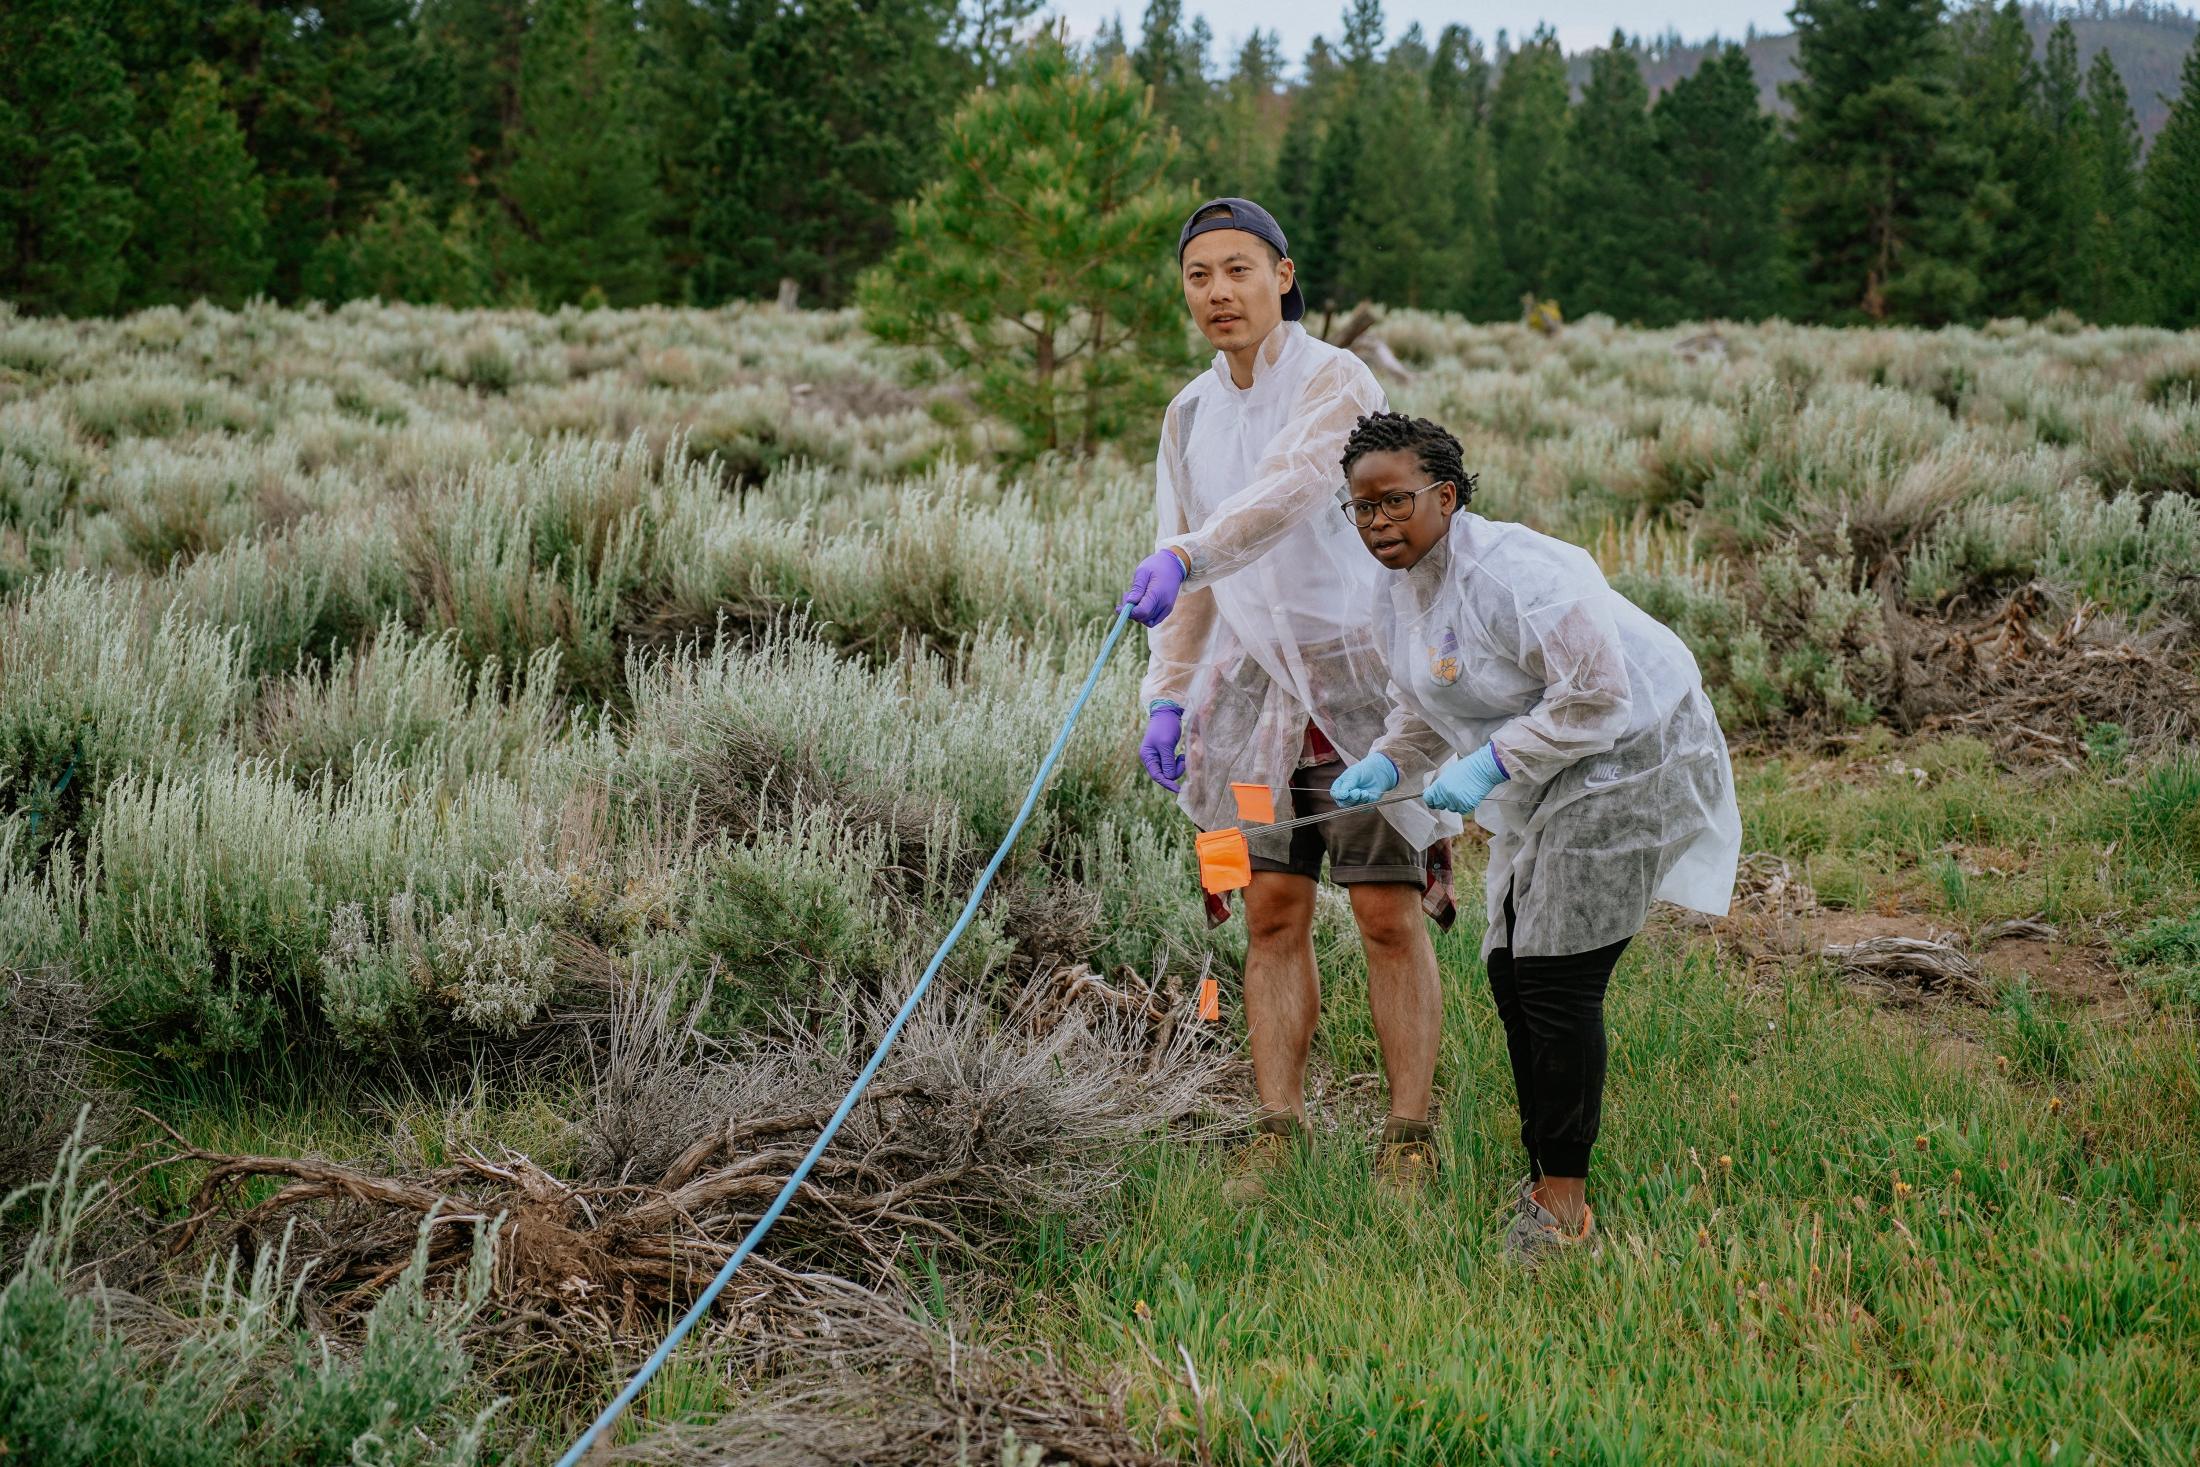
1255,803
1210,1000
1225,861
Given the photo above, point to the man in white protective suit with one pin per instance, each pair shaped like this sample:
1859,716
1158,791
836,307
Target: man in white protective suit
1264,669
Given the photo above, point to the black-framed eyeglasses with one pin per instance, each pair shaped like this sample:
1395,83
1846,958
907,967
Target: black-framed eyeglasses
1397,506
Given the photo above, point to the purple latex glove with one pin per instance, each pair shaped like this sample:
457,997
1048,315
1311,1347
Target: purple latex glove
1154,585
1157,751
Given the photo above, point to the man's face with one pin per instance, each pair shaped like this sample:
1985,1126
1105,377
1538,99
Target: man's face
1234,287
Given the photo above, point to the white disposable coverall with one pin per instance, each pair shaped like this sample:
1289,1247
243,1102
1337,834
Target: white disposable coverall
1620,791
1271,627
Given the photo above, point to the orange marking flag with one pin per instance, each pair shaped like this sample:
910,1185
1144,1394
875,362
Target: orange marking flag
1210,1000
1255,803
1225,861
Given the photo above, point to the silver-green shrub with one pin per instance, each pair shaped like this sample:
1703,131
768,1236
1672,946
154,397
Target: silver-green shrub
227,1377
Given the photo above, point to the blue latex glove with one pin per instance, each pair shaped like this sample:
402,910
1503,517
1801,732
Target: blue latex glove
1464,782
1154,585
1157,751
1365,782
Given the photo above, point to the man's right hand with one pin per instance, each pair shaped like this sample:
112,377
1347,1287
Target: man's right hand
1157,751
1154,585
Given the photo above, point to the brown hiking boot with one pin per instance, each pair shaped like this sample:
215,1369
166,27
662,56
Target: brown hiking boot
1405,1163
1269,1151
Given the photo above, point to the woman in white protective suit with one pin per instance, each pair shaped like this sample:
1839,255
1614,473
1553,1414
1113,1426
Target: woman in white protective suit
1575,729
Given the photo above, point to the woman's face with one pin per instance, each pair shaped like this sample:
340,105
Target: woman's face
1377,477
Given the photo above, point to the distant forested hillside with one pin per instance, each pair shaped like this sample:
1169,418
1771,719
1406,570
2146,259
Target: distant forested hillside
2147,42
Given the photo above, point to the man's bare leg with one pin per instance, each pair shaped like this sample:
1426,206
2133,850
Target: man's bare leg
1404,993
1282,988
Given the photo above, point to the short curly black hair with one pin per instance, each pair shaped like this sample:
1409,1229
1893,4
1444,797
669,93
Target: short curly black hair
1431,443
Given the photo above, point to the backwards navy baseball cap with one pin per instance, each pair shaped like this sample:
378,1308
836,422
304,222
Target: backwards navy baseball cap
1254,220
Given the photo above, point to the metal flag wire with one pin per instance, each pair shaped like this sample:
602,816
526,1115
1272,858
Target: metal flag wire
703,1301
1264,827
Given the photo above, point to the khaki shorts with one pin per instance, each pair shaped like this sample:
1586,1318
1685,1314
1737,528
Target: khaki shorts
1363,848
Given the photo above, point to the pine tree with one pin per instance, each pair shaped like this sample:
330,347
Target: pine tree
1318,78
579,191
2065,206
2172,202
809,154
1475,282
400,252
1882,188
1108,43
1291,197
203,227
1607,199
986,34
1248,117
2111,289
1717,242
65,158
337,101
1397,238
1089,280
1363,33
1999,86
685,59
482,41
1470,276
1171,58
1163,58
1324,270
1528,124
1459,76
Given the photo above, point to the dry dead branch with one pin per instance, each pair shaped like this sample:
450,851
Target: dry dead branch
1909,969
967,1126
1766,882
2025,927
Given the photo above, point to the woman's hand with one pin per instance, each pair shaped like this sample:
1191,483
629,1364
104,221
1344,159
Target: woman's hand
1464,783
1365,782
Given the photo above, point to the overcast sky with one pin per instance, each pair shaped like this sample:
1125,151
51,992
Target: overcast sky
1580,24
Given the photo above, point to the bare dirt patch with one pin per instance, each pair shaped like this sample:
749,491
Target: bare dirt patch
2070,972
1777,923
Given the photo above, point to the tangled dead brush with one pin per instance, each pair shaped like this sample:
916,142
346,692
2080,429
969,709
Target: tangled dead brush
47,1044
847,1374
968,1125
2027,683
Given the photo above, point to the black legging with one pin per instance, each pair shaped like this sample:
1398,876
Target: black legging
1553,1011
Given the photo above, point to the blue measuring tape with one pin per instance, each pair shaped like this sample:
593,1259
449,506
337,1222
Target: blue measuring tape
701,1306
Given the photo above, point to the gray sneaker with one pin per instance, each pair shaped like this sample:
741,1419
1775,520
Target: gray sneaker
1536,1234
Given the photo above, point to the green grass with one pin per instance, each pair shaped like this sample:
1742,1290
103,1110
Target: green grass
2031,1287
1831,1234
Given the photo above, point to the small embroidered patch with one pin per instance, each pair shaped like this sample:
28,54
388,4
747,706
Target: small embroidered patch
1443,660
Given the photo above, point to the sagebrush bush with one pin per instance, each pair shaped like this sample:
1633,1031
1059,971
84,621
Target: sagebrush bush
376,674
98,681
412,703
228,1377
